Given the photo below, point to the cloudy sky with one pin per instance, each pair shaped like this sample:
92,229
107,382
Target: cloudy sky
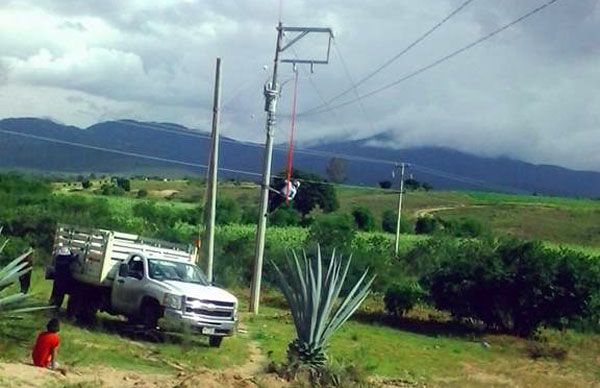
532,92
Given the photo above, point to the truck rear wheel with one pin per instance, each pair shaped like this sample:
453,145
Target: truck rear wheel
214,341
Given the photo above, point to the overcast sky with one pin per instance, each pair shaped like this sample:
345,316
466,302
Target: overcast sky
532,92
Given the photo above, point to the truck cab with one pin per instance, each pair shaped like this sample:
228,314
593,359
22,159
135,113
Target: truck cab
148,288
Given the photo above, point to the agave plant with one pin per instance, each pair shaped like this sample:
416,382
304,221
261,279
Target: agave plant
14,303
313,294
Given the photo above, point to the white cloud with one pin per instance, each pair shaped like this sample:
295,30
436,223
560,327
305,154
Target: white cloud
529,93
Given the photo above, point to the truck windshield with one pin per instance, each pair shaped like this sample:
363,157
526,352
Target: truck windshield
171,270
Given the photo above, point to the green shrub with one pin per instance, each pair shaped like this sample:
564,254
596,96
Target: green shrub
464,228
389,222
285,216
111,190
402,296
427,225
249,214
514,286
142,193
363,218
334,230
228,211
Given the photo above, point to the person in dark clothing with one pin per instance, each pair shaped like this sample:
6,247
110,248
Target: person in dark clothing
62,276
25,279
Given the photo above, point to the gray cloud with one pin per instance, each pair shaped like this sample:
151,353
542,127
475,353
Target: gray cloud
528,93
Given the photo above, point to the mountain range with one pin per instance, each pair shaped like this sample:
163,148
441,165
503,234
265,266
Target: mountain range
170,149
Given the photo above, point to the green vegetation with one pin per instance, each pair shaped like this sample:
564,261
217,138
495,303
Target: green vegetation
107,344
514,286
405,330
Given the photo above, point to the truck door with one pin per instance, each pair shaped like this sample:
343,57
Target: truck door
127,289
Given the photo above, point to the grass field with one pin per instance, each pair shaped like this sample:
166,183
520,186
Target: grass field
437,356
104,345
568,221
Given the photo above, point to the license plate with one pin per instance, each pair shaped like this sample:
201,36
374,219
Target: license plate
208,330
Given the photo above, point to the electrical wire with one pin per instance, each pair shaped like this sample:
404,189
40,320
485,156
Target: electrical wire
174,161
435,63
313,152
354,86
427,170
395,57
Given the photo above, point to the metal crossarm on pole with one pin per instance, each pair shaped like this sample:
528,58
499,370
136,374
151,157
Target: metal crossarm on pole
271,93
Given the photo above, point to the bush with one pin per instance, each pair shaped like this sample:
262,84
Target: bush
514,286
426,225
112,190
402,296
464,228
334,230
142,193
285,216
363,218
385,184
249,214
389,220
86,184
228,211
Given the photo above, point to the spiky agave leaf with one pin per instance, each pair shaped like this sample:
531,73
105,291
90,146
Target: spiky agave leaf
9,274
314,302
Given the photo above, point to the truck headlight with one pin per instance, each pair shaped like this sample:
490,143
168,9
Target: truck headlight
172,301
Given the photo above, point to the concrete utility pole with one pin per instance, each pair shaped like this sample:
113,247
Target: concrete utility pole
213,171
271,93
399,209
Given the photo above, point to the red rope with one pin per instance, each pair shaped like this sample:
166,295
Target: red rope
290,154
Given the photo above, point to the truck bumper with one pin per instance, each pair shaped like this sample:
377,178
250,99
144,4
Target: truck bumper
205,325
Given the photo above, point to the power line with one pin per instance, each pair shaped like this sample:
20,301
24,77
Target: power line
435,63
424,169
354,86
167,160
356,158
395,57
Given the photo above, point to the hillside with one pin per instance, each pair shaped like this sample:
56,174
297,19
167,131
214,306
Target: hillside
176,150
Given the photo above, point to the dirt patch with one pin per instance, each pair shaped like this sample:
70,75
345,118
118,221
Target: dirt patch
248,375
163,193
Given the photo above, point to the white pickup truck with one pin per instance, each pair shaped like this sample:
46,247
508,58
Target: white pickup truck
149,281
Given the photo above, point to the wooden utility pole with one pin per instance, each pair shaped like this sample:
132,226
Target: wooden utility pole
213,166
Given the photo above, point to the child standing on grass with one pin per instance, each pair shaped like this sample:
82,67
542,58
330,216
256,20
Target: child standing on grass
46,344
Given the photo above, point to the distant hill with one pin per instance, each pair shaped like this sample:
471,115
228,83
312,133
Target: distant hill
51,147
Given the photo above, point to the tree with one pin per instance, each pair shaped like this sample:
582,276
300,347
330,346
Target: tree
389,221
124,183
385,184
285,216
336,169
426,225
86,184
313,191
363,218
142,193
334,230
228,211
412,184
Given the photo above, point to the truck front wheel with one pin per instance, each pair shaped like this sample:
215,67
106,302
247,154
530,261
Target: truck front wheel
215,342
150,314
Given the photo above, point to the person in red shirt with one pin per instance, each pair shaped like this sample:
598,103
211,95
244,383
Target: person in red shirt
46,344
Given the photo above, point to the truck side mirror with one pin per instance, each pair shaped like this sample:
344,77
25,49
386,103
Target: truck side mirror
123,270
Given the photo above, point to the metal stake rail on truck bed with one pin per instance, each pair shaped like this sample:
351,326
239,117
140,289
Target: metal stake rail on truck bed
101,251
